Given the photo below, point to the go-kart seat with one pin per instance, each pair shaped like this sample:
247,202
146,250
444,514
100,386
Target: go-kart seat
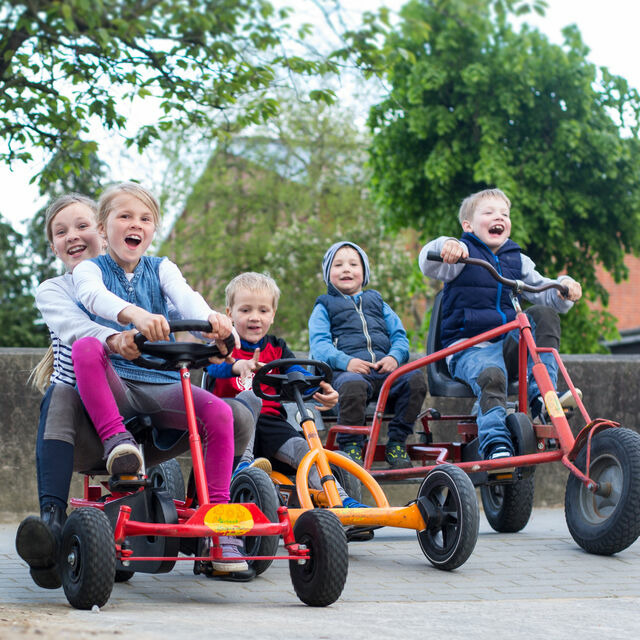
438,377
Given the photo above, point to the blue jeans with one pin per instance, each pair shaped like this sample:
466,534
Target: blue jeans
469,364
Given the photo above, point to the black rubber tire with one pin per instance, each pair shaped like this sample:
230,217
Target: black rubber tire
319,581
605,525
349,482
168,475
88,558
508,507
123,575
451,536
254,485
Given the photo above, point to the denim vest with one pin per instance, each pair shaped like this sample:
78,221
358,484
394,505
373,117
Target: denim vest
474,302
358,327
144,291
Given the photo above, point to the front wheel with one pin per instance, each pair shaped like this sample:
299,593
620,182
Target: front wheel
88,559
320,580
508,507
254,485
608,521
448,503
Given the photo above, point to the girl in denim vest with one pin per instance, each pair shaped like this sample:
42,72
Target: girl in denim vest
126,289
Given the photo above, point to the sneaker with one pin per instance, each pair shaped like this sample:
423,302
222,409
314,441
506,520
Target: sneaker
122,454
396,456
497,453
352,503
38,542
538,409
354,451
234,559
262,463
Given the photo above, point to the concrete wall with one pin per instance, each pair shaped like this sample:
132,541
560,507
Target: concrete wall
611,387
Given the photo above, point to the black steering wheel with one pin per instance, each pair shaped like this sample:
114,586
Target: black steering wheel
170,356
286,384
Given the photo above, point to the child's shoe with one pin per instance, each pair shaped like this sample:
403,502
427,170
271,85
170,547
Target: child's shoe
122,454
352,503
235,559
498,452
396,456
354,451
538,409
38,542
262,463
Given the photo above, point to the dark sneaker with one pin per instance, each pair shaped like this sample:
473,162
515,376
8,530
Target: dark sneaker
354,451
396,456
498,452
122,455
538,409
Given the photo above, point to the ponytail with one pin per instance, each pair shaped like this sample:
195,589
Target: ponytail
41,373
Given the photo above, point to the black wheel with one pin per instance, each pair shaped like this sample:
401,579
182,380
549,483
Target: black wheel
320,580
349,482
88,558
448,503
122,575
254,485
508,507
608,522
168,476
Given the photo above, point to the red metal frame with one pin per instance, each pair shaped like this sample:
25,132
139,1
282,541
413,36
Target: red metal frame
208,520
441,453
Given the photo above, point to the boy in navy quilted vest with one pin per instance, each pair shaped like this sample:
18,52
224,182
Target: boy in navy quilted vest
362,339
474,302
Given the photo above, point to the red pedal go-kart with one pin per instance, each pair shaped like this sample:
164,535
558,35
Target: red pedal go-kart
137,526
444,514
602,494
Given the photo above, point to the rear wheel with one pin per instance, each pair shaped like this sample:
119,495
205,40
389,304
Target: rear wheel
319,581
447,501
88,558
254,485
508,507
168,476
608,521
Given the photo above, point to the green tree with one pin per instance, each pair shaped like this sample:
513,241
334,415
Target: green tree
69,65
475,103
87,181
275,201
18,314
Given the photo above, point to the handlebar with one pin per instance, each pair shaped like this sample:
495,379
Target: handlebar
517,286
168,356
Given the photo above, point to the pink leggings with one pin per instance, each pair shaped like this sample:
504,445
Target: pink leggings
107,398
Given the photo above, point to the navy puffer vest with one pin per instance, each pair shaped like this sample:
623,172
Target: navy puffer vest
359,330
474,302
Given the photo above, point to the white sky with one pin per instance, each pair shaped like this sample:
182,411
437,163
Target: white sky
608,27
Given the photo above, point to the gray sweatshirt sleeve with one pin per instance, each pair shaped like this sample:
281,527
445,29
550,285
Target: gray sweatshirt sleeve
438,270
548,298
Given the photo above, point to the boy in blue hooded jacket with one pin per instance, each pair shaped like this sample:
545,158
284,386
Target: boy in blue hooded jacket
362,339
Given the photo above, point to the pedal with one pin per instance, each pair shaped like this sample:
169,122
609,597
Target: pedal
127,482
359,534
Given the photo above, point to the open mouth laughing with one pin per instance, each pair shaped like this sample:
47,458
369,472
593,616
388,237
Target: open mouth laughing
132,240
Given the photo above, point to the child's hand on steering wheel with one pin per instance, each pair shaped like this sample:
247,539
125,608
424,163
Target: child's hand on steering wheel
327,396
122,343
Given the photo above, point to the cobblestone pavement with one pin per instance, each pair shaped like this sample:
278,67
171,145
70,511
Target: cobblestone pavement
534,583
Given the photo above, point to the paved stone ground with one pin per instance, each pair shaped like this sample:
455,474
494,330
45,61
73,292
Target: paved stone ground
527,585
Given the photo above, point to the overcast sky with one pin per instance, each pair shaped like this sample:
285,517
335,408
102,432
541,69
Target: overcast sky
609,28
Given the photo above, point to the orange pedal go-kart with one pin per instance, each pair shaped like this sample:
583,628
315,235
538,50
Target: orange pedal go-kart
602,498
444,514
138,526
